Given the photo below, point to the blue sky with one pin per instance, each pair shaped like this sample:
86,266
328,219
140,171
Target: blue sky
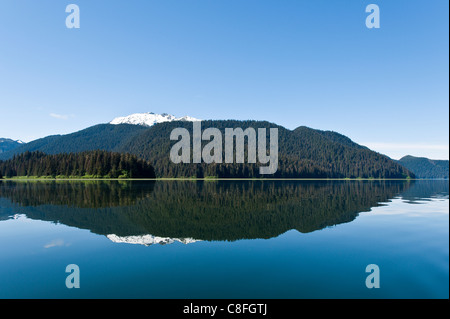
292,62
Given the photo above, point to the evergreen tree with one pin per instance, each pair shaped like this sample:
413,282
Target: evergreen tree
90,163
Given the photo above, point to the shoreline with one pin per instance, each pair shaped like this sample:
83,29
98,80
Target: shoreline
18,179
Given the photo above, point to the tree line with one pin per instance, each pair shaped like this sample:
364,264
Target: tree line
92,164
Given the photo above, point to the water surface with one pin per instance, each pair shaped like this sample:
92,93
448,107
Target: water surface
224,239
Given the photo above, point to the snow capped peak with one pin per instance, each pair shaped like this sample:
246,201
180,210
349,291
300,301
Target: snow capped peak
4,140
188,119
149,119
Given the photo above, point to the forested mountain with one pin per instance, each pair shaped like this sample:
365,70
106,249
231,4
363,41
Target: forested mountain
99,137
7,144
94,164
303,152
426,168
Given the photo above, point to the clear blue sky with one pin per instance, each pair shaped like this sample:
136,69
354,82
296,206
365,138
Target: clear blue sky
292,62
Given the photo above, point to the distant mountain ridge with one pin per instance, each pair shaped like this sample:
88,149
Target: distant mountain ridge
426,168
7,144
98,137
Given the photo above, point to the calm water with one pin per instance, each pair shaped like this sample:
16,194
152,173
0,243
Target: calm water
227,239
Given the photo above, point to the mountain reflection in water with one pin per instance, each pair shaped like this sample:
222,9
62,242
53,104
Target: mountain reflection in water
187,211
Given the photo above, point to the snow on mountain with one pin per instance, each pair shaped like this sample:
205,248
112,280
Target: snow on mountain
148,240
149,119
4,140
7,144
